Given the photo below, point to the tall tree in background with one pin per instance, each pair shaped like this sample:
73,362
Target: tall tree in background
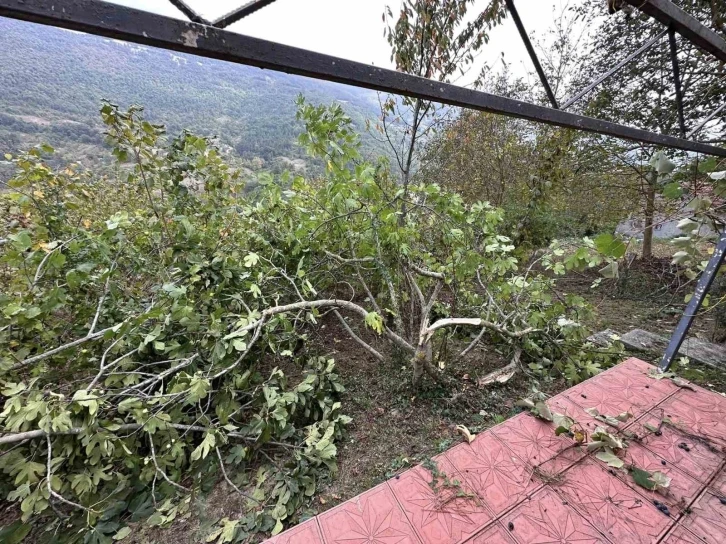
429,39
643,92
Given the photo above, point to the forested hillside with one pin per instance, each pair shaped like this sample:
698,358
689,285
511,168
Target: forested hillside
53,81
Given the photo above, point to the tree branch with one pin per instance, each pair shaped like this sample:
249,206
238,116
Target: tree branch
355,337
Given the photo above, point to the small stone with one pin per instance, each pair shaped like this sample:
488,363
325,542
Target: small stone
722,499
663,462
511,526
583,395
647,387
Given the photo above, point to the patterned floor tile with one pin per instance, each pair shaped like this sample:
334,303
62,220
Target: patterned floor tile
545,519
531,439
682,490
307,532
687,454
532,487
550,470
586,422
373,517
607,399
698,415
633,363
682,536
440,514
499,477
718,485
494,534
698,396
707,519
615,509
636,384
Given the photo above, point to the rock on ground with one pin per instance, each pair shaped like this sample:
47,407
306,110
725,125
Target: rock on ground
696,349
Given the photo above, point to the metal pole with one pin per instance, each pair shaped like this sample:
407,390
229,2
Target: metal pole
138,26
705,122
615,69
686,25
702,287
532,53
240,13
192,15
677,80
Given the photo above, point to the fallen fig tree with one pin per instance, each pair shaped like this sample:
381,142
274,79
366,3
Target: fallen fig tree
145,321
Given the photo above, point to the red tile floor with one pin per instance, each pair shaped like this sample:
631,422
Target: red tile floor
519,483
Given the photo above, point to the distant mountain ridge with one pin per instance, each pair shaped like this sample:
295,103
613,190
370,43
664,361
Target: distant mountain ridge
52,82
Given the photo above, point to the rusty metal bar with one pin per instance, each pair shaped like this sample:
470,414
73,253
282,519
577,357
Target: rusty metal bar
706,120
133,25
687,26
240,13
190,14
615,69
532,53
702,287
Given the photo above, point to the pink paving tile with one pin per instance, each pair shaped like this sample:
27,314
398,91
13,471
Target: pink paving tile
718,485
702,414
586,422
545,519
546,486
531,439
373,517
441,515
682,536
307,532
633,363
682,490
608,398
562,461
693,394
616,510
635,383
686,453
494,534
498,476
707,519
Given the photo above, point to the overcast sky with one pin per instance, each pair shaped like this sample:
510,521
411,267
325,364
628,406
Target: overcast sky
353,29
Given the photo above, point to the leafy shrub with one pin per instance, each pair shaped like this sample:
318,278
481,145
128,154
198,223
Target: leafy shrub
145,321
121,354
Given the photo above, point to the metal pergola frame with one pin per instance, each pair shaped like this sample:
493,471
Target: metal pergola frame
201,37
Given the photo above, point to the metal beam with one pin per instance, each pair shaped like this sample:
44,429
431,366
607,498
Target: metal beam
702,287
133,25
532,53
687,26
650,43
677,80
706,120
240,13
192,15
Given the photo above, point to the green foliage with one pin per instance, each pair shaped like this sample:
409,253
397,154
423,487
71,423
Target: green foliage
122,323
146,321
